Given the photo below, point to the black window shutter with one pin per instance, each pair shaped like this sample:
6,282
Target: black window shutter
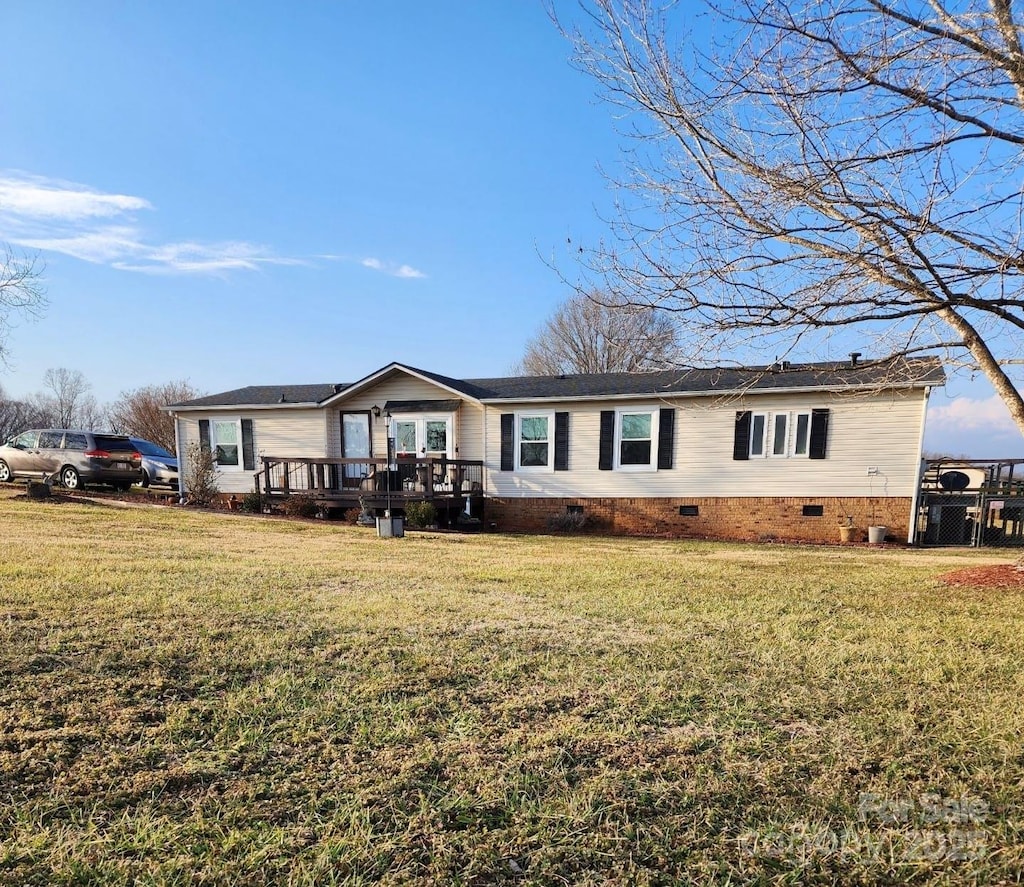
666,436
204,435
508,441
819,434
561,441
248,453
606,449
741,440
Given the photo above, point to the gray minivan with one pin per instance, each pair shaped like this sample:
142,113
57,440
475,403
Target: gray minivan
75,458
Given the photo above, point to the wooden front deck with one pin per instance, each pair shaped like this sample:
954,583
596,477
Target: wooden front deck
451,484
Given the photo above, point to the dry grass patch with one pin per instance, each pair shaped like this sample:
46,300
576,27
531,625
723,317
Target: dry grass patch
188,699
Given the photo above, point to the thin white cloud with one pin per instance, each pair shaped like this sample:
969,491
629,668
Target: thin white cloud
101,246
36,197
196,258
92,226
972,414
52,215
406,271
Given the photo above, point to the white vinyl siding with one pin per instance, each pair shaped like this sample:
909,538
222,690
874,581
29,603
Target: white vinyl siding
467,426
289,432
703,463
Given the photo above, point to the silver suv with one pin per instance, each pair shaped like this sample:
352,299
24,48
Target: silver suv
75,458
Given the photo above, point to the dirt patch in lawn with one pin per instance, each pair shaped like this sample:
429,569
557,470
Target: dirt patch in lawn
54,499
994,576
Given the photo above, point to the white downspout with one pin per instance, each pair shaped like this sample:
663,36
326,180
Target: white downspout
912,526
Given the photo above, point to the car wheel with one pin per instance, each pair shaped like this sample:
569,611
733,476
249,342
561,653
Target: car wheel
70,478
5,472
145,478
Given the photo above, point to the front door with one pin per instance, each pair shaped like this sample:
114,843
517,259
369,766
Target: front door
424,436
355,444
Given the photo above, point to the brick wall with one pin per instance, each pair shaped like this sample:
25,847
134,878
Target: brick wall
717,518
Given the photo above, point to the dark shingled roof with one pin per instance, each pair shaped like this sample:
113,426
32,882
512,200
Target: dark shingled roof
900,373
265,395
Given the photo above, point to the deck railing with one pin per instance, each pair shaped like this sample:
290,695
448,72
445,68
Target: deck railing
404,478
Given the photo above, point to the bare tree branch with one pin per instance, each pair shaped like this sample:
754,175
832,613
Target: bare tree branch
67,398
20,415
21,289
820,165
597,334
141,412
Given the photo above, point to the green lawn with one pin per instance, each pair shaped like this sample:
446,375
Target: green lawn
188,698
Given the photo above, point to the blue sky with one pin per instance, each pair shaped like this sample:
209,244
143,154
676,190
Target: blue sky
245,193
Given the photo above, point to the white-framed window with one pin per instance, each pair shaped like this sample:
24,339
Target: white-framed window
417,435
801,445
636,439
758,432
780,435
535,441
226,443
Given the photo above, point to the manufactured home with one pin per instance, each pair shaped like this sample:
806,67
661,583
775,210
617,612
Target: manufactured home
787,451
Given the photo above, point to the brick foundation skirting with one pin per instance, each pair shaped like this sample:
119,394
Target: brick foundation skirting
746,518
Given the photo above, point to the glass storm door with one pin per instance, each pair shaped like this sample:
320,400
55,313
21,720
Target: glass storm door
355,444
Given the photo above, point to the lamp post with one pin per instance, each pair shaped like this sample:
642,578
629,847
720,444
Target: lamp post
388,427
388,526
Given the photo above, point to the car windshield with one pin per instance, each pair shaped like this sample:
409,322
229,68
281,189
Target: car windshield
147,448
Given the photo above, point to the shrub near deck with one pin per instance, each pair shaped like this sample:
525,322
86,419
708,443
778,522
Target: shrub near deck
236,701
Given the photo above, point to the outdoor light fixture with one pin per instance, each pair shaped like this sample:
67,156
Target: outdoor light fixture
376,411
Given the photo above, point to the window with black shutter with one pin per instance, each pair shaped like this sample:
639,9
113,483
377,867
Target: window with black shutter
666,437
561,441
741,436
248,450
508,441
606,444
819,434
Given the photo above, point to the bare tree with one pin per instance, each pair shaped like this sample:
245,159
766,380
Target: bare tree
21,289
67,396
814,166
20,415
141,412
597,334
